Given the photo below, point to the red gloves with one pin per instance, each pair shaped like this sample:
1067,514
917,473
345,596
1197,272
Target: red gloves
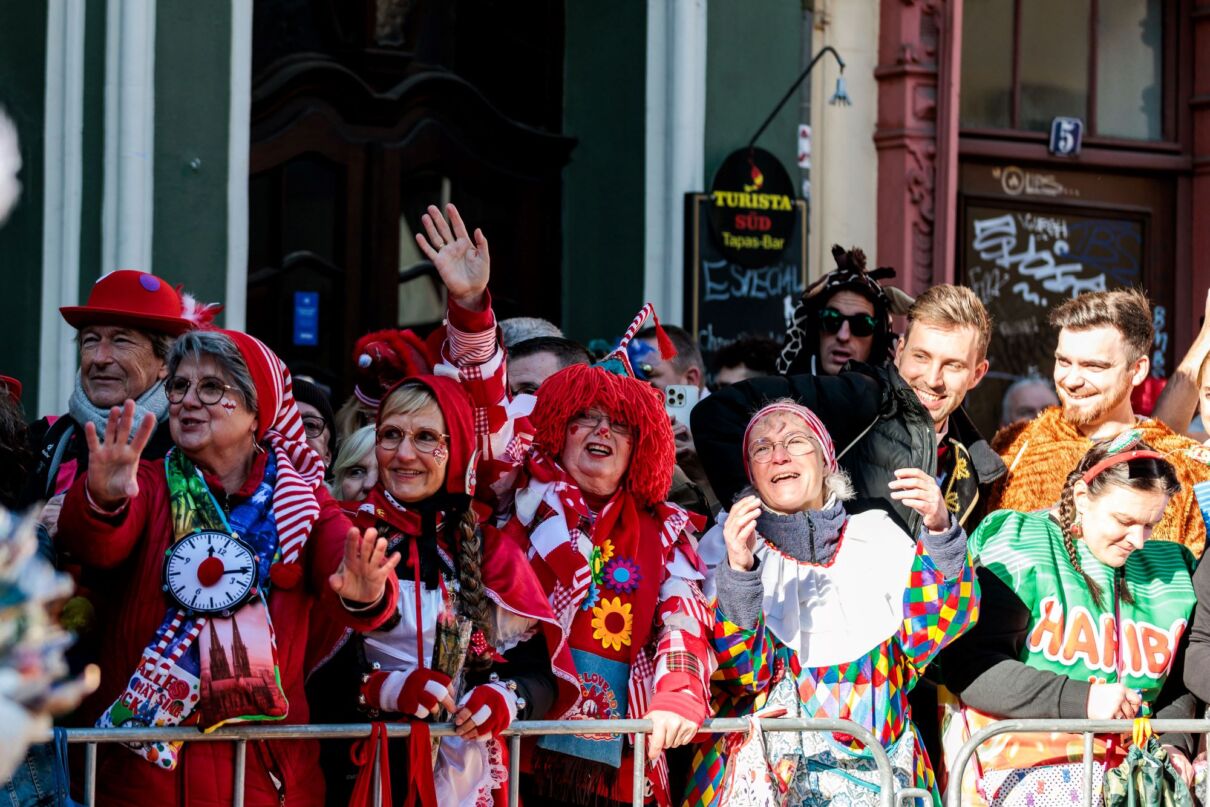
490,708
415,693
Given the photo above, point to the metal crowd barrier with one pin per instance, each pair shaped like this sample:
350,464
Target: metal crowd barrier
1088,728
242,735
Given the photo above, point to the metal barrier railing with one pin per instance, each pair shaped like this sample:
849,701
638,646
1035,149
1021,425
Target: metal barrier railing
242,735
1088,728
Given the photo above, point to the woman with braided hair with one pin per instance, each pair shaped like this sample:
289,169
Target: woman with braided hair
467,594
1083,616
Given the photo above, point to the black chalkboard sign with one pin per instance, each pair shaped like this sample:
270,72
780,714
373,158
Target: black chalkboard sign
724,300
1022,261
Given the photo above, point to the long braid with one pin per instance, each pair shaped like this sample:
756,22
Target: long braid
471,595
1067,520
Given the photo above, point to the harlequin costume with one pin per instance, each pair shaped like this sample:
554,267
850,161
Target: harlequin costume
162,665
1041,453
510,670
838,618
1043,638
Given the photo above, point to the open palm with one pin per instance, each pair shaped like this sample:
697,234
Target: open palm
463,262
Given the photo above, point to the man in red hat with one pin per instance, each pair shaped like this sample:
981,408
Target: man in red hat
124,333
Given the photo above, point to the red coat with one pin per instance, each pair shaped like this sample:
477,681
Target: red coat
132,545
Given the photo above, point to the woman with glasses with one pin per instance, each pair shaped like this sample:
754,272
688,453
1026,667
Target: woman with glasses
456,570
823,613
472,639
619,566
225,555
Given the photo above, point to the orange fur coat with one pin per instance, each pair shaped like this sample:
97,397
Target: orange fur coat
1042,452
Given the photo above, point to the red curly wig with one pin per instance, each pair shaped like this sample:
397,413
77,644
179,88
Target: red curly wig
574,389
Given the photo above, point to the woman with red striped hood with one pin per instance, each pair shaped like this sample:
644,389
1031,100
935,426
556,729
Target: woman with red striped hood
473,636
229,548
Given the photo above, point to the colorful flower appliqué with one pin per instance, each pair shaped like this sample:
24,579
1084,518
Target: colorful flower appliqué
592,597
612,623
622,575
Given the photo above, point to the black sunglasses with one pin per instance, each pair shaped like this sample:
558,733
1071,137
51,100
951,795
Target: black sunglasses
830,321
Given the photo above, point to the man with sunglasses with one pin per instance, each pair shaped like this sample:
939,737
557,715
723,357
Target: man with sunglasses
844,316
124,333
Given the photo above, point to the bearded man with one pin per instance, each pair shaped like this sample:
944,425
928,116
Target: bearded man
1103,353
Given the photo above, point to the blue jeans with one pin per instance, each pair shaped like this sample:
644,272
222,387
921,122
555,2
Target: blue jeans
34,783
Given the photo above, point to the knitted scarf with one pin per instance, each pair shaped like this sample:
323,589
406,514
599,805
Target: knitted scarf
82,410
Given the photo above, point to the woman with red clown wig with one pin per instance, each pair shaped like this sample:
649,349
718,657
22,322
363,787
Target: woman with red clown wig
618,564
621,569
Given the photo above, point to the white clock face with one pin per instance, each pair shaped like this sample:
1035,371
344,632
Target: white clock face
210,572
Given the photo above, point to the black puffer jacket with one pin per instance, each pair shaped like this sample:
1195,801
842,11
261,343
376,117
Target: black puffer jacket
876,422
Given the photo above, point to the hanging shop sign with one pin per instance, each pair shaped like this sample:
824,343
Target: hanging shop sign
752,211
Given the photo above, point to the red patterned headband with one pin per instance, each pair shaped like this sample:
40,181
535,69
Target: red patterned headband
1113,459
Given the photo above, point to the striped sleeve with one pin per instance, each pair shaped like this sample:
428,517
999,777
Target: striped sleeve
683,658
472,354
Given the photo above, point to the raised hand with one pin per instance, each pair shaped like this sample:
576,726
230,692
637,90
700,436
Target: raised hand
362,576
464,266
919,491
739,531
113,462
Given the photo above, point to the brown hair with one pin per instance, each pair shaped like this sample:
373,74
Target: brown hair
1124,309
949,306
1137,474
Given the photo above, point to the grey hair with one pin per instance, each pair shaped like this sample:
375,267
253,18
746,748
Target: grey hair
1019,384
221,348
515,330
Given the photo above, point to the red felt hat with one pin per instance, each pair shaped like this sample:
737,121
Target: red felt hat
13,386
134,299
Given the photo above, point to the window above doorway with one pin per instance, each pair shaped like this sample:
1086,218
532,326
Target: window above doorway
1025,62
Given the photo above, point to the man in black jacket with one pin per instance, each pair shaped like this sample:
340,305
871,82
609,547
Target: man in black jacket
125,331
882,417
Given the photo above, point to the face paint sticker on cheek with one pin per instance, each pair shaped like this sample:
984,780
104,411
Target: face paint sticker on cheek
228,405
439,454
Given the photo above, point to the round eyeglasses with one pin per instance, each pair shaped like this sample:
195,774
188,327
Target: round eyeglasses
209,389
592,419
797,445
426,441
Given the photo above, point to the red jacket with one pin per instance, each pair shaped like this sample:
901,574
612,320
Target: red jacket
132,544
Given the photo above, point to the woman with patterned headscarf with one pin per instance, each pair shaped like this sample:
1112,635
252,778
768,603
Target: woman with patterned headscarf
225,552
823,613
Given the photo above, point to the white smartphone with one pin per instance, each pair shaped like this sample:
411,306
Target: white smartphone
679,399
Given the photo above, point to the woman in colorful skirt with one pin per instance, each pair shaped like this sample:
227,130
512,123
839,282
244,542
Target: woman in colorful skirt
1082,617
820,613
